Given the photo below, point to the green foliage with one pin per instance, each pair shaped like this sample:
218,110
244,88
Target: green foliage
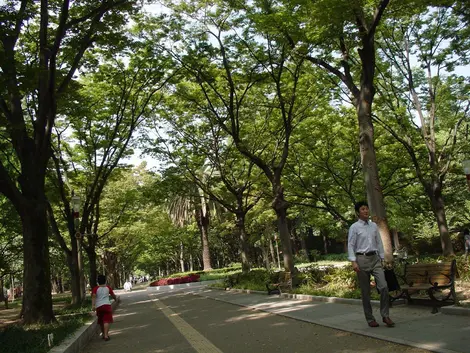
313,280
300,258
256,279
334,257
33,339
463,269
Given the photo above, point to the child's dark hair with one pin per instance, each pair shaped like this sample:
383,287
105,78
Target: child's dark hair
359,204
466,231
101,279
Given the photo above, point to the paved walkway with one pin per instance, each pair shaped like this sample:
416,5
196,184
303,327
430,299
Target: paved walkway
146,319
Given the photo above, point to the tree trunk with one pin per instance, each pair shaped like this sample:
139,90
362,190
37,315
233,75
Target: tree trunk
273,253
324,234
81,270
74,268
110,259
191,262
12,288
54,284
363,102
280,207
93,269
438,208
72,263
37,298
303,245
244,249
396,241
4,298
291,226
181,257
203,224
265,253
60,284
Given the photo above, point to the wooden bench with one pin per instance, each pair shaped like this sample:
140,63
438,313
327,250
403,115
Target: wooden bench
437,279
284,283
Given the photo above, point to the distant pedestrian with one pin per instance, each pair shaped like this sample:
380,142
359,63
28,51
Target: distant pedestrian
466,236
101,303
127,286
366,252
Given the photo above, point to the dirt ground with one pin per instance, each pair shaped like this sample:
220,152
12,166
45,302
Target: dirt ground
12,314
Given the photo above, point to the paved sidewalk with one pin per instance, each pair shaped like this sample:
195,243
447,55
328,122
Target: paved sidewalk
415,325
138,324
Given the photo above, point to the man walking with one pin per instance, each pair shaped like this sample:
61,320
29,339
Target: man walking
366,252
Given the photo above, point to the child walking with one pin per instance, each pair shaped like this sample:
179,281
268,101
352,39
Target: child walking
101,303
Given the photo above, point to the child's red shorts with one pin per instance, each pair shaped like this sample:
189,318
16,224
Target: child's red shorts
105,314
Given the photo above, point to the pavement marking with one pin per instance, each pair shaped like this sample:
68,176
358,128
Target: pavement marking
195,339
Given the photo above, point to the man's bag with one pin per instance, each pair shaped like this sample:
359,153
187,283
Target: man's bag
391,278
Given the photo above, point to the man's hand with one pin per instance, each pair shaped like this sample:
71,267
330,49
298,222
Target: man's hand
387,265
93,308
355,266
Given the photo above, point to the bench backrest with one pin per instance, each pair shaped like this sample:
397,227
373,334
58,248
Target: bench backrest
442,273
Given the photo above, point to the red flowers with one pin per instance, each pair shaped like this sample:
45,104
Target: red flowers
177,280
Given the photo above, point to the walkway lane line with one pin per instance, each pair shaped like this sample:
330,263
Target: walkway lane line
195,339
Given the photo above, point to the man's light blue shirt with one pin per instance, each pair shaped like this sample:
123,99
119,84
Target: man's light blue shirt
364,237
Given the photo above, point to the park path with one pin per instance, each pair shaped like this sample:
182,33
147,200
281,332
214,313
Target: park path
205,320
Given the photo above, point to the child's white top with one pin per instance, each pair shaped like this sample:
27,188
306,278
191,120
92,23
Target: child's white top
102,295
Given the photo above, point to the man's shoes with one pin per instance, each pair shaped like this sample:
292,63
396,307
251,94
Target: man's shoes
373,323
107,338
388,322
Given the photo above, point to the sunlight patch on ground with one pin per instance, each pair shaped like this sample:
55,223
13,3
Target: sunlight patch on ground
124,314
253,316
284,304
140,302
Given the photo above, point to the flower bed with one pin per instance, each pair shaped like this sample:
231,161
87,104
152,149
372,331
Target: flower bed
177,280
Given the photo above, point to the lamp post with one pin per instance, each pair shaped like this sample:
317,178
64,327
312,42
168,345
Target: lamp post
78,236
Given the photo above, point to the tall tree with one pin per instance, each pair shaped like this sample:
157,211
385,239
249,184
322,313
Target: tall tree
339,27
229,178
423,99
103,117
38,73
190,202
251,90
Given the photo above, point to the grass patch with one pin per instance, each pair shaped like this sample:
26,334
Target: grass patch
16,338
33,339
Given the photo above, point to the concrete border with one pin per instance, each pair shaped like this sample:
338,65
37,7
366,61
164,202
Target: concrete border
80,338
305,297
448,310
455,310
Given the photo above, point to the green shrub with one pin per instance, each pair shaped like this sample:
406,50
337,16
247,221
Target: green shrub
334,257
33,339
301,258
463,269
315,255
316,275
343,276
